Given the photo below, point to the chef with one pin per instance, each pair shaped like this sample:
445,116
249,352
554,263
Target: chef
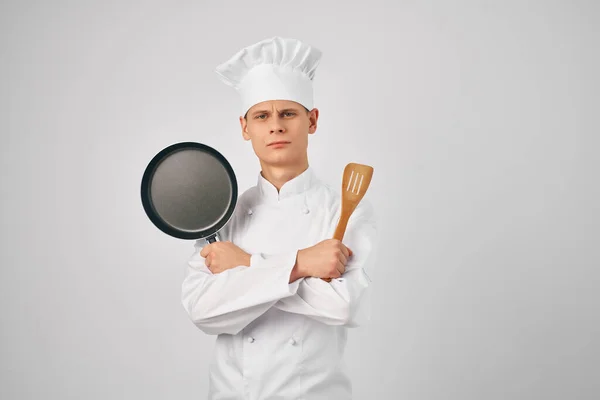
281,328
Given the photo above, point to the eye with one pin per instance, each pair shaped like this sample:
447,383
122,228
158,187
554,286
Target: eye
260,115
290,112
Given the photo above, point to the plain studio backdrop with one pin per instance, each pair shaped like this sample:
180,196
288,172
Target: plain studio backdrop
481,123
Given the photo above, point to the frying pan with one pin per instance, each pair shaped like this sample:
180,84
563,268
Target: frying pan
189,191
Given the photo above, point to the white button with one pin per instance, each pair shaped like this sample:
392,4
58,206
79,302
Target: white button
250,339
249,212
292,341
305,210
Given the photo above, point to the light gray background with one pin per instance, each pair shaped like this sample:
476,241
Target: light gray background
480,119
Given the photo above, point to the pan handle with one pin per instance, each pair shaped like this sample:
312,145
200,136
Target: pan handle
213,238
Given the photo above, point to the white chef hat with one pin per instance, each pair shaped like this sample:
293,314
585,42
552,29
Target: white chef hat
272,69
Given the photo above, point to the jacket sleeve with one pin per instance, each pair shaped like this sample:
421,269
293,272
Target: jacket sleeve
227,302
346,300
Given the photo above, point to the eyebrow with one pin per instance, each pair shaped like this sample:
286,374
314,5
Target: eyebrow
267,111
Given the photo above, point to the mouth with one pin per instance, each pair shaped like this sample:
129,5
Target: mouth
278,143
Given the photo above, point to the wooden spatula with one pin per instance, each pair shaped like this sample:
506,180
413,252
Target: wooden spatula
355,183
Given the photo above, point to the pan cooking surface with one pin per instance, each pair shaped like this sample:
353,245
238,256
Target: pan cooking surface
191,190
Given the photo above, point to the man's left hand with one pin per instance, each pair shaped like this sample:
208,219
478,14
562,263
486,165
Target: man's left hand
221,256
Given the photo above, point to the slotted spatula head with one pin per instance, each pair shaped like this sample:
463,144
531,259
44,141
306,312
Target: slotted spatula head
355,183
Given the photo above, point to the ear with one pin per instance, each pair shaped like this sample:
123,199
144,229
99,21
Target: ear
244,126
313,117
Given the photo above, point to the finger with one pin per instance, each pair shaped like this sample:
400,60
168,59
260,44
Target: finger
344,250
207,261
334,274
343,258
340,269
205,250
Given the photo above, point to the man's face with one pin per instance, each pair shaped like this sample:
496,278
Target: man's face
275,121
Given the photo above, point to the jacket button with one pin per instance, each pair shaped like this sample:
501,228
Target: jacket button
250,212
292,341
250,339
305,210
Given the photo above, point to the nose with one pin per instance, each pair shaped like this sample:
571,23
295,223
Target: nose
277,126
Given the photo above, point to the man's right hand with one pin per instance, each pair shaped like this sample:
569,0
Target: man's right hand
326,259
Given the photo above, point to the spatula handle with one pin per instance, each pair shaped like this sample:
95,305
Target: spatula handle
340,230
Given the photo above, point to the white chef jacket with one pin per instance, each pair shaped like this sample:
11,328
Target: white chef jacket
281,340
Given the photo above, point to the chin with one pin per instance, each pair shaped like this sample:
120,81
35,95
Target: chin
279,161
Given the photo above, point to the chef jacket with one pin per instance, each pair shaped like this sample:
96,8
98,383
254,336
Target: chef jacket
281,340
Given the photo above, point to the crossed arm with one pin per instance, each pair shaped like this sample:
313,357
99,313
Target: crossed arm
228,301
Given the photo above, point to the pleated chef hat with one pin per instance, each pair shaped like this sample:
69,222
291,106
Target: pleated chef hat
272,69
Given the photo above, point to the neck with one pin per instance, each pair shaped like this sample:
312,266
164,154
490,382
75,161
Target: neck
278,175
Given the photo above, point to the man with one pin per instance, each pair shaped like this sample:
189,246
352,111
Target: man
281,328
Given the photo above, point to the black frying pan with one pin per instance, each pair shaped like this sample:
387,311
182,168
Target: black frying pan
189,191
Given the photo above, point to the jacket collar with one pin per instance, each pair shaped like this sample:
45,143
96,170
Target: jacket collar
295,186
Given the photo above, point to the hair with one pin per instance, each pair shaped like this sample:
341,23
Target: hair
307,111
